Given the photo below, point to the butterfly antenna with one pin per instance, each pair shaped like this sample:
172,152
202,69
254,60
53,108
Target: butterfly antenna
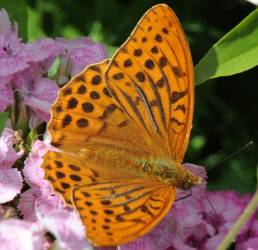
247,145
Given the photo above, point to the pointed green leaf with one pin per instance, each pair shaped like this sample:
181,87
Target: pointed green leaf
236,52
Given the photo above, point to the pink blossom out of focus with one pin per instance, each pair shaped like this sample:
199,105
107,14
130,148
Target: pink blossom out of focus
81,52
18,234
40,198
6,97
41,97
8,155
11,181
11,59
24,67
67,227
248,239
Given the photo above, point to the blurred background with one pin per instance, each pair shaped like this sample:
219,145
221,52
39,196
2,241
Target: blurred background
226,114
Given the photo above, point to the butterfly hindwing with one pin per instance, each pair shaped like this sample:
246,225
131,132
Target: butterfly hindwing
113,208
151,76
118,211
65,171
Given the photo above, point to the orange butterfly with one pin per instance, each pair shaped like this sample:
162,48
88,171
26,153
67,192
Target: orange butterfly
122,127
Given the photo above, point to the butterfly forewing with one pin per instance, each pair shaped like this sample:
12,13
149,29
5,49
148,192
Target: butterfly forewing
151,76
86,112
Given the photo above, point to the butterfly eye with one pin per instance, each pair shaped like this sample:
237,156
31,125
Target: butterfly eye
168,174
186,185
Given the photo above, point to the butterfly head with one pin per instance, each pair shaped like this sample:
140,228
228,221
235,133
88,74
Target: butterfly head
188,180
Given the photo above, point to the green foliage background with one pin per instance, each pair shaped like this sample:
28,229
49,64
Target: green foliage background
226,109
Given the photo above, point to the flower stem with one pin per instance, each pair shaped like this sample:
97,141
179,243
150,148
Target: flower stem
234,231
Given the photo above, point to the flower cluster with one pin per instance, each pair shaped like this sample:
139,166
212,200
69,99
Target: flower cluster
32,215
24,68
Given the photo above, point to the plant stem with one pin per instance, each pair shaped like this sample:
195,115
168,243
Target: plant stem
234,231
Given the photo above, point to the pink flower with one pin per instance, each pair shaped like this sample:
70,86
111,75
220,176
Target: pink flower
67,228
249,244
38,92
10,184
8,155
141,243
227,206
40,198
248,239
11,60
77,54
27,204
10,178
17,234
33,173
43,51
41,97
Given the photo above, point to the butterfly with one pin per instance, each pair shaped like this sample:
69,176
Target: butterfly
121,128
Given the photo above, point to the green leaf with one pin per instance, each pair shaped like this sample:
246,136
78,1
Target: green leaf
236,52
17,11
3,120
54,68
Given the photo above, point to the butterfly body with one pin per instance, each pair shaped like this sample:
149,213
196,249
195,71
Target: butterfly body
121,128
163,169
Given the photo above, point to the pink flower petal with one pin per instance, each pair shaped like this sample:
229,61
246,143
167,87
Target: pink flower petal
11,60
213,242
27,204
249,244
179,244
10,184
41,97
17,234
33,173
34,120
47,203
6,97
11,65
228,207
41,50
8,155
141,243
81,52
67,227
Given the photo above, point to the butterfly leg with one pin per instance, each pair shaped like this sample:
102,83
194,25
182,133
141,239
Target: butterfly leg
185,196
